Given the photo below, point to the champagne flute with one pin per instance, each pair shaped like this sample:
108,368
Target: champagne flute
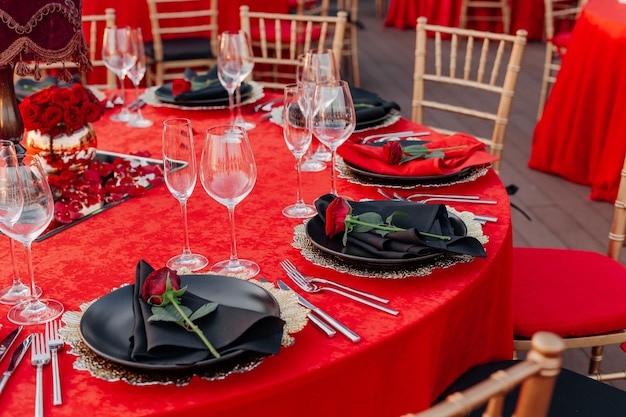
305,97
179,165
229,66
333,120
36,216
247,64
228,173
119,55
298,139
136,74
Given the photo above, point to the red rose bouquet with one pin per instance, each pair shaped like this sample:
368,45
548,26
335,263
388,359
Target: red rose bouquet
58,110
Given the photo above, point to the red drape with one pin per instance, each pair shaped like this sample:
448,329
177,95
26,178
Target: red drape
581,133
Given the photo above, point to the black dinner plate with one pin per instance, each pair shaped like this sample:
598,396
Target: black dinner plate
107,325
164,94
367,124
426,179
315,231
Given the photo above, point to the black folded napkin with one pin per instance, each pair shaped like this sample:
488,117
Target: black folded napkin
24,87
431,218
370,109
214,93
227,328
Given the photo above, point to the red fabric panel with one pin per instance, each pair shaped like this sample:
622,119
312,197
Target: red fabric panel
568,292
581,133
525,14
450,320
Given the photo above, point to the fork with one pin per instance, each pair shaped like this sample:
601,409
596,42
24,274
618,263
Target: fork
40,356
313,288
55,344
289,267
394,135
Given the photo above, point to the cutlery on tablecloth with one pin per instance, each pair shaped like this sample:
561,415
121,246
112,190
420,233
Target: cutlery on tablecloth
40,356
288,266
8,342
313,288
55,344
355,338
18,354
319,323
110,103
267,105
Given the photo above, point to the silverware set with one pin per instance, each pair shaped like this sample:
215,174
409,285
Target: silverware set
393,136
426,198
309,284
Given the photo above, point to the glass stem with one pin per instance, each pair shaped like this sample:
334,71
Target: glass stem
139,115
299,200
234,260
231,106
239,118
16,274
33,299
123,95
333,185
186,246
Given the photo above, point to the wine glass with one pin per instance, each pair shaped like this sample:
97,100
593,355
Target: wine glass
11,205
136,74
119,55
35,218
298,139
229,66
179,165
318,66
228,173
333,119
247,64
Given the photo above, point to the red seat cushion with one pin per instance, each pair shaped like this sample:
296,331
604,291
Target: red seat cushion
568,292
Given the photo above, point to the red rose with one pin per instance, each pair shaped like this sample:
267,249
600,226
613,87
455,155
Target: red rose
64,97
180,85
91,111
51,117
393,152
73,119
31,115
156,284
43,97
80,92
336,214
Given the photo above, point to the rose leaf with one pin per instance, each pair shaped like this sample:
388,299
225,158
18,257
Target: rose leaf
206,309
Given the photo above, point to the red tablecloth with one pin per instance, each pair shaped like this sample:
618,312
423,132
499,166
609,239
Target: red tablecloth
402,14
449,320
581,133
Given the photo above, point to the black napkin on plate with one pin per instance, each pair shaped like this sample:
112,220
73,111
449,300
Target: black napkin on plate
24,87
370,109
431,218
227,328
214,92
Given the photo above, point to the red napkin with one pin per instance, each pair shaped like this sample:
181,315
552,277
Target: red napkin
372,158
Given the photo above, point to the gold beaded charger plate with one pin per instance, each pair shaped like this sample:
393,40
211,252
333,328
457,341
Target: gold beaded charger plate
151,97
107,325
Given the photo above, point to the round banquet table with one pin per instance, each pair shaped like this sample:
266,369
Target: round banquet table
449,321
580,136
403,14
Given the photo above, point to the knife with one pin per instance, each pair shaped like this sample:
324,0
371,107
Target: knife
8,341
19,353
355,338
325,328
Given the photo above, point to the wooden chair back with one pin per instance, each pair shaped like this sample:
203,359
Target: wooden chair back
278,39
558,15
483,70
350,53
184,35
536,377
93,26
502,7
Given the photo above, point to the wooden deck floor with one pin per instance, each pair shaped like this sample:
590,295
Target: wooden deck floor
562,214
